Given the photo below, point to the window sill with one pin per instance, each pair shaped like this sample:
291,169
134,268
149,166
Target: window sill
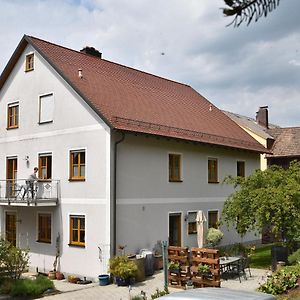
12,127
43,242
76,179
76,245
214,182
45,122
174,180
29,70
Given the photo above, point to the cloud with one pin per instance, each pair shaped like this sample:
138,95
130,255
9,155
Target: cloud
237,69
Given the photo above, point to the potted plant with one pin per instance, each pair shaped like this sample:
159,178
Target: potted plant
174,267
123,270
158,258
213,237
204,270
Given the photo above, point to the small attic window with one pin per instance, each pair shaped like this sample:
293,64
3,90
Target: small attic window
29,62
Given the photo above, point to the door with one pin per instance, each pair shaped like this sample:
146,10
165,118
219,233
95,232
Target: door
11,227
11,176
175,229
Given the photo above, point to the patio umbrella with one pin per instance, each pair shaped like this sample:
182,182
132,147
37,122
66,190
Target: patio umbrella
200,219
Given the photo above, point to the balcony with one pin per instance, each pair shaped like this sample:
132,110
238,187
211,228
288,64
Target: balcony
23,193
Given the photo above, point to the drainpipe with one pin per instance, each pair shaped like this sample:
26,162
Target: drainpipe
115,195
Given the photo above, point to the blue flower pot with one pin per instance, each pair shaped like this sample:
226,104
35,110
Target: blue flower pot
103,279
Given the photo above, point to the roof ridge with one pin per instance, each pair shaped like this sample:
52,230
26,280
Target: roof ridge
108,61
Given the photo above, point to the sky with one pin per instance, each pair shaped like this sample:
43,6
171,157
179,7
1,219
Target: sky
237,69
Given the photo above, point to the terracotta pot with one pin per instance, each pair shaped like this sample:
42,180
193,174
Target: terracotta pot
52,275
59,276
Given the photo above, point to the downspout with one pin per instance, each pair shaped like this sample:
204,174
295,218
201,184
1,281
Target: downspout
115,195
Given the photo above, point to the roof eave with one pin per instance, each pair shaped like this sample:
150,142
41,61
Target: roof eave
60,73
12,61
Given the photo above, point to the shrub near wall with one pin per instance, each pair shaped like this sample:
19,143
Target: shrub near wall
13,260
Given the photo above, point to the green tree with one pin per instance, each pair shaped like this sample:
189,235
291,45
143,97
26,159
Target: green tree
248,10
266,198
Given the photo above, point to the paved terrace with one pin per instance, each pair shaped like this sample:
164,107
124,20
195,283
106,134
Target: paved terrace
112,292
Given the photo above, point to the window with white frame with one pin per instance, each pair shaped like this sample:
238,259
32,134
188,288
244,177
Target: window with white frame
46,108
45,166
191,220
44,228
213,219
13,115
77,165
77,230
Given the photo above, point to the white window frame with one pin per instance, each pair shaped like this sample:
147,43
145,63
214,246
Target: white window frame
181,166
37,227
209,210
50,120
79,214
187,222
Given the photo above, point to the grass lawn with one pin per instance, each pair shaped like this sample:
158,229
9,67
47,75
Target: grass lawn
261,258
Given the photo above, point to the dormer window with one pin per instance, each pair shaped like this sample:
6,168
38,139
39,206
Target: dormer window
29,62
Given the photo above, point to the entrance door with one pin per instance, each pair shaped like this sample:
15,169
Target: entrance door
175,229
11,227
11,175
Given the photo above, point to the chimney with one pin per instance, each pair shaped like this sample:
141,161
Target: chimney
91,51
262,116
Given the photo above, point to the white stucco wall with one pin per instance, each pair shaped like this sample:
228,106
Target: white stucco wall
145,197
74,126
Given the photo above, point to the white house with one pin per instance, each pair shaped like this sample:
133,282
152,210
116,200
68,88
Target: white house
124,157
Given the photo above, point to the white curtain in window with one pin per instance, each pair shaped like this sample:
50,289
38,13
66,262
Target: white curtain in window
46,108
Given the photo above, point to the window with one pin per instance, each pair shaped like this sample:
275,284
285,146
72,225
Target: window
77,165
212,170
13,115
174,167
213,219
240,168
46,108
29,65
191,218
44,228
77,230
45,166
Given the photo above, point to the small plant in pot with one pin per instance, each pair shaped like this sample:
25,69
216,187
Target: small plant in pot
173,267
123,270
213,237
204,269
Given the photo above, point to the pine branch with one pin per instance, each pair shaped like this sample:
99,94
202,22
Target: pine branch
248,10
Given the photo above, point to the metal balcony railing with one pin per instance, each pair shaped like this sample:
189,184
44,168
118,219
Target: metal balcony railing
22,192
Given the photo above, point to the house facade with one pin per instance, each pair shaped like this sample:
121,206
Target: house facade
124,157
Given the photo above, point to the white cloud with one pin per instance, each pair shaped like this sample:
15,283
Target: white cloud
237,69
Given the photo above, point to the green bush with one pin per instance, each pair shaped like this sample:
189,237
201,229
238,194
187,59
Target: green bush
294,257
214,236
32,288
281,281
13,259
121,266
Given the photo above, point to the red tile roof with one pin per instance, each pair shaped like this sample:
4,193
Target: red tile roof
132,100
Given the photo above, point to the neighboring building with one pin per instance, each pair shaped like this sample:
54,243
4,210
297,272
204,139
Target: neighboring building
124,157
283,143
257,128
286,146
